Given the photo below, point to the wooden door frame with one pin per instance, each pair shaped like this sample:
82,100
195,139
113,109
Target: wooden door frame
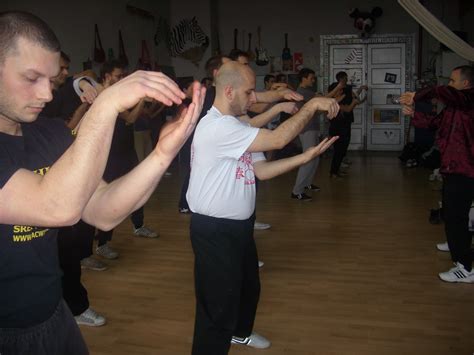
407,38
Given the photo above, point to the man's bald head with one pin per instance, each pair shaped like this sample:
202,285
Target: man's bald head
235,89
233,74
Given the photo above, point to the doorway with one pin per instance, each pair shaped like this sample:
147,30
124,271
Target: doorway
385,63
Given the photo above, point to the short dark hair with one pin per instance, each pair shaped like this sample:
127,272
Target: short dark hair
467,73
341,75
109,66
65,57
236,53
16,24
267,78
305,72
212,64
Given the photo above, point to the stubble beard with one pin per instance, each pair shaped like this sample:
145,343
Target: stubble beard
7,112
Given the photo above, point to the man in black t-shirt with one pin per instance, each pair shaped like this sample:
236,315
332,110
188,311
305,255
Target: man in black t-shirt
74,242
341,125
46,179
122,158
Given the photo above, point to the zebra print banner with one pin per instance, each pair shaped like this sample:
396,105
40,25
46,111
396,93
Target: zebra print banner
186,40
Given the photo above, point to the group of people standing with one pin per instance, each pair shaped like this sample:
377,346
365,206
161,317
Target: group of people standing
52,177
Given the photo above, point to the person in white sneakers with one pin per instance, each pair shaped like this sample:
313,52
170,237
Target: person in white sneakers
122,158
226,159
455,139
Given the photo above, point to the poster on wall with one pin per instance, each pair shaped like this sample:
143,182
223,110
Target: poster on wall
347,55
390,78
298,61
391,116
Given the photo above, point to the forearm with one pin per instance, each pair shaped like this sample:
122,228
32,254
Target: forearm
262,119
259,107
290,128
446,94
73,178
268,96
266,170
113,202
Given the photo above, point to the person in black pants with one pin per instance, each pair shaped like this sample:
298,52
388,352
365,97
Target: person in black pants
122,158
74,245
227,159
341,126
455,139
74,242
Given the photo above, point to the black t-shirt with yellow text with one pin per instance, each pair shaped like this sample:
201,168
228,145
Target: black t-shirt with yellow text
30,277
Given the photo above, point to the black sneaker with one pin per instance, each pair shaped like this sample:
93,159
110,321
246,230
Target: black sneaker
312,188
301,197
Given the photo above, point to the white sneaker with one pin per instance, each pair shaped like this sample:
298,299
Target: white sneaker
93,264
145,232
106,252
91,318
260,263
261,226
442,246
254,341
457,274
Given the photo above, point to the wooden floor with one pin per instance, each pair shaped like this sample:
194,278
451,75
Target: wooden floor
352,272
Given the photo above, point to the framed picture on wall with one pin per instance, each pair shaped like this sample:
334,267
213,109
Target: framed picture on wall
387,116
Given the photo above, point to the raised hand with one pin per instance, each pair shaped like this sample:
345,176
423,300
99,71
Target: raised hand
126,93
407,98
408,110
288,107
89,93
175,133
319,149
325,104
290,95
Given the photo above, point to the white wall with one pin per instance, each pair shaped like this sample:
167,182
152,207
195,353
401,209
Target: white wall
305,21
73,22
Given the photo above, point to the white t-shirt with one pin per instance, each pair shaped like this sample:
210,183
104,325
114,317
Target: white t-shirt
222,182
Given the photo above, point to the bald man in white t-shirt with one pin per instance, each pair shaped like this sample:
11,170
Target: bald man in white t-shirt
226,158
